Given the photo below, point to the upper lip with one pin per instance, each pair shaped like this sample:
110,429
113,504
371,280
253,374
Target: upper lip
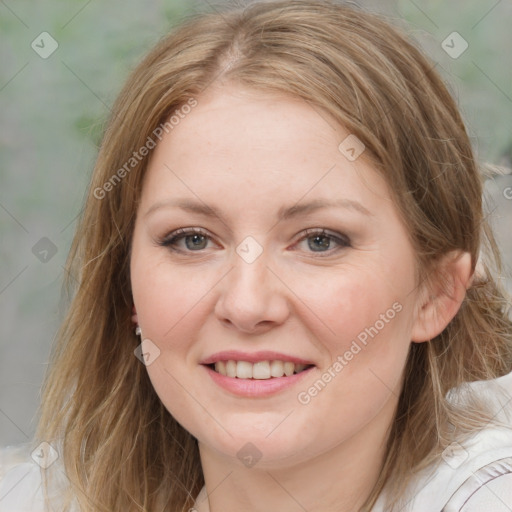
253,357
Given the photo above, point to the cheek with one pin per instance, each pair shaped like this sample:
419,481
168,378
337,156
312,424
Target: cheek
171,305
367,343
168,299
353,304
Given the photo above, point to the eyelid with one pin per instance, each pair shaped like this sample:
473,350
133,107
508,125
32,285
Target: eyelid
169,240
341,239
325,232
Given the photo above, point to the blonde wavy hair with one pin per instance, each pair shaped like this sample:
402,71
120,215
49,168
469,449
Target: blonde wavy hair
120,447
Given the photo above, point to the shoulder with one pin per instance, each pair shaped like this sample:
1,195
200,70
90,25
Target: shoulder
474,474
488,488
20,481
24,470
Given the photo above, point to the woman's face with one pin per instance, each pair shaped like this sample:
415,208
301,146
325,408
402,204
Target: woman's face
304,260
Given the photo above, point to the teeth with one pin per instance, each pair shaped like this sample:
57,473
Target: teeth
230,368
221,367
261,370
244,370
288,368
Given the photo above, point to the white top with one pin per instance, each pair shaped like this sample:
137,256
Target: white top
473,477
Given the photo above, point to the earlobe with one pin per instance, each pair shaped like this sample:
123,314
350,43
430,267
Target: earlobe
443,296
135,319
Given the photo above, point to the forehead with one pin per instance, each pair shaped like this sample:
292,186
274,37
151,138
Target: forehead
269,147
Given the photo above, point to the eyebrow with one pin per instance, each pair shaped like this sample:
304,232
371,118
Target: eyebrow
284,213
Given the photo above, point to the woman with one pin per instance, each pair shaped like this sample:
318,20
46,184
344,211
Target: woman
277,304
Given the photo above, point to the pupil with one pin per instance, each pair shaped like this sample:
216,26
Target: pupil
196,241
325,244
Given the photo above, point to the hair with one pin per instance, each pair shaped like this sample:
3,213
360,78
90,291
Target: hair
121,449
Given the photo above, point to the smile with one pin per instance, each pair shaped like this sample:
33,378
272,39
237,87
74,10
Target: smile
260,370
250,386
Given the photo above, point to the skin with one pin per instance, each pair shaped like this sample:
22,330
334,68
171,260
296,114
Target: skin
249,154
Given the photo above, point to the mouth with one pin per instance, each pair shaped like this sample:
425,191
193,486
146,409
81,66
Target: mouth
260,370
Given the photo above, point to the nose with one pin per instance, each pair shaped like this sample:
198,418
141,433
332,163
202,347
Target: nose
252,297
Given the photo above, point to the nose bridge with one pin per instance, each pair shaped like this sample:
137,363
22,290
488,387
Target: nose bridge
248,284
250,277
250,273
251,295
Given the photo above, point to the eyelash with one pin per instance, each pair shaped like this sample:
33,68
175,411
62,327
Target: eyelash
171,240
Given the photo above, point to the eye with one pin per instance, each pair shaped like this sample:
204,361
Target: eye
195,240
320,241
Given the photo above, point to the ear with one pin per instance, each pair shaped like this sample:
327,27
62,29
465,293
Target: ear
135,320
441,297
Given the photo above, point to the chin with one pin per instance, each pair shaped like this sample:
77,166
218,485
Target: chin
254,448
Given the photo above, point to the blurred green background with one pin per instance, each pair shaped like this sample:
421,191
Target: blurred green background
53,110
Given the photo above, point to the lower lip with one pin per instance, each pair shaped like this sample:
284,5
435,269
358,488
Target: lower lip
255,387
